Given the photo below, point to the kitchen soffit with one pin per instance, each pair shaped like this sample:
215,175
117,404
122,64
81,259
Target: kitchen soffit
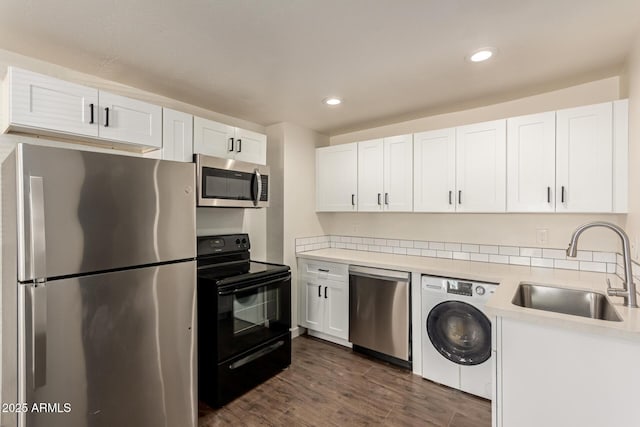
270,61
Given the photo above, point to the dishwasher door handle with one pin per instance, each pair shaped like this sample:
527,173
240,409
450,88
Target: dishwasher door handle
376,273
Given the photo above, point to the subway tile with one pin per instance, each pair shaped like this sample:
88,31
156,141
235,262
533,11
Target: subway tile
453,247
500,259
400,251
387,249
299,248
489,249
509,250
554,253
600,267
380,242
520,260
439,246
461,256
567,265
611,267
368,241
542,262
374,248
412,251
406,243
583,256
419,244
604,257
356,240
351,246
531,252
444,254
394,243
345,239
479,257
469,248
362,247
428,252
341,245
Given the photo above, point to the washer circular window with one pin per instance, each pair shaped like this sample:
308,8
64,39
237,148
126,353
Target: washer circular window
460,332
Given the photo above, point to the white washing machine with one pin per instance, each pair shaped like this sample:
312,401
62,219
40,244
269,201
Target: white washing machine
456,334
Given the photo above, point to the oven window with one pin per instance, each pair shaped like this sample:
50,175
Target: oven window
226,184
250,316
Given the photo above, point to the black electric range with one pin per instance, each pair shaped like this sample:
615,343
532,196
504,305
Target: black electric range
244,318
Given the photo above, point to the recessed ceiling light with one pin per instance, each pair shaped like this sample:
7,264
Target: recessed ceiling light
332,100
482,54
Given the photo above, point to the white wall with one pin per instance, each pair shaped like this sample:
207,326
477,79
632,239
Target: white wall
291,155
507,229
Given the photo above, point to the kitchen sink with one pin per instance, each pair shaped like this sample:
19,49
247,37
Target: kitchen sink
575,302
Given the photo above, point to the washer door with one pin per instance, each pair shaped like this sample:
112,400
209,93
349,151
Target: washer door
460,332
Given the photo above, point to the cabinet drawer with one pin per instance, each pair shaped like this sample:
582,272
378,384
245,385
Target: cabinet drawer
324,270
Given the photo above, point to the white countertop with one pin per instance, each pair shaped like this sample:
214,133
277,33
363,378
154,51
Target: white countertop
508,277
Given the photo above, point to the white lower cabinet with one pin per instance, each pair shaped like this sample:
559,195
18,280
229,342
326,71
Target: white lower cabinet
551,376
324,299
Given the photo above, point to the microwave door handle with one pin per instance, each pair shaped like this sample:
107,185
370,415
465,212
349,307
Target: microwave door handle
257,187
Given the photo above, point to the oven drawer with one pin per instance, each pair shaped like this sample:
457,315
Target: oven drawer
322,270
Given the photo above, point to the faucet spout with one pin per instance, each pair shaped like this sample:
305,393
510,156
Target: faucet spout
628,291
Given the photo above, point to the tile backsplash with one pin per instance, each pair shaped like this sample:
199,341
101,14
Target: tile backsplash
604,262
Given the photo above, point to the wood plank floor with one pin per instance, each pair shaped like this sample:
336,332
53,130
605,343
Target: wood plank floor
329,385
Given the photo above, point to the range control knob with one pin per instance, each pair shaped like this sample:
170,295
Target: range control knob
244,240
480,290
237,241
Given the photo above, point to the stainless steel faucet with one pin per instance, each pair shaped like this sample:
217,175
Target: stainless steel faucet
628,291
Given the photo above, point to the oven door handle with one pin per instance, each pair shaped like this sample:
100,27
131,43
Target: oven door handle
256,286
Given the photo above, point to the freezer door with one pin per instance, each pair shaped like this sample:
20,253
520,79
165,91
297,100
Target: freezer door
83,212
115,349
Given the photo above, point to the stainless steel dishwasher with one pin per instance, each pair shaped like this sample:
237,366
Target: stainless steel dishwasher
380,312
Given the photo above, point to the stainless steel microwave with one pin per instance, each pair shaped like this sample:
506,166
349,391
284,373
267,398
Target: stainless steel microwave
231,183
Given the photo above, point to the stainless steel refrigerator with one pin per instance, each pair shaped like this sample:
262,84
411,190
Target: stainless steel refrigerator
98,290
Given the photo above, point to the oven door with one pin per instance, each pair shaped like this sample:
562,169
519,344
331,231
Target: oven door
231,183
251,313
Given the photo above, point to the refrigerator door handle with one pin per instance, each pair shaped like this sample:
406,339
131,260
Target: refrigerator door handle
37,231
36,333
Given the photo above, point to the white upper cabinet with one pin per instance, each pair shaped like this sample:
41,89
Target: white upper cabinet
434,171
220,140
481,167
531,154
584,159
370,175
177,135
43,104
129,120
337,178
620,155
385,177
398,173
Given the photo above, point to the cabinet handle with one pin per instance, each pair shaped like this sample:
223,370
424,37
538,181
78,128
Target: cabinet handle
548,194
239,145
319,291
353,199
459,197
91,119
379,196
230,144
562,194
325,292
386,199
106,117
450,194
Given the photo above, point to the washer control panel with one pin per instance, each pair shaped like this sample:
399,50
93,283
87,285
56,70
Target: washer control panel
459,288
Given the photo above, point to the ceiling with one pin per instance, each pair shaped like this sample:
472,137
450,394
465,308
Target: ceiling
269,61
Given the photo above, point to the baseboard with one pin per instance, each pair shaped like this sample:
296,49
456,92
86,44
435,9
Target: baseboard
297,331
329,338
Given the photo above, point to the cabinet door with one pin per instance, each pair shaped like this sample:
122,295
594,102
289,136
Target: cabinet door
531,155
398,173
213,138
434,171
337,178
336,299
177,135
311,304
250,146
129,120
370,175
584,156
38,101
481,167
